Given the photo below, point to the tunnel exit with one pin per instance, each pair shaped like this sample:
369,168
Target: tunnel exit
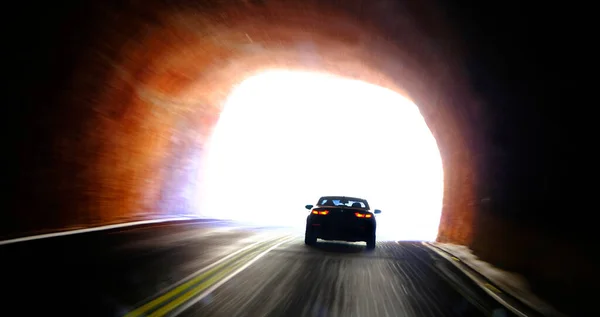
284,138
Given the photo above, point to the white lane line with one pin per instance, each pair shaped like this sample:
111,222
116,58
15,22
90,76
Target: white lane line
209,290
100,228
206,268
475,279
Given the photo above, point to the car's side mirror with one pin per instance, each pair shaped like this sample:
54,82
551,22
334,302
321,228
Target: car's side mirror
377,211
309,207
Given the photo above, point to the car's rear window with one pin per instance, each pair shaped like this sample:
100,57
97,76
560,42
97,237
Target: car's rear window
334,201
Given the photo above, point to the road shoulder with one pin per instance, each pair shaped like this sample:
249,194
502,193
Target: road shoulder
508,288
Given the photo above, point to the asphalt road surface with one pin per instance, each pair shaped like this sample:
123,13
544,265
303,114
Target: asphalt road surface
218,269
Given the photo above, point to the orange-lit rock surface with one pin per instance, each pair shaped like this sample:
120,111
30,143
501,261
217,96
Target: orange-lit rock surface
150,79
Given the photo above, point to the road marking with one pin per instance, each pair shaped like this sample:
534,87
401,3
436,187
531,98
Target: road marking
100,228
493,288
210,266
198,298
179,289
202,279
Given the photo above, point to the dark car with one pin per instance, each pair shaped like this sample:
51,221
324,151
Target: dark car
341,218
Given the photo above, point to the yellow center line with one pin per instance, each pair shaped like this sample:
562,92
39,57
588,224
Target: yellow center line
179,289
197,290
213,280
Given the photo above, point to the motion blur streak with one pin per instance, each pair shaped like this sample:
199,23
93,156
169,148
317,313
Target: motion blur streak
281,132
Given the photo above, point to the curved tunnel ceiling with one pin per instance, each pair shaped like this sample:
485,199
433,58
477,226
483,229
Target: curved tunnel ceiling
154,78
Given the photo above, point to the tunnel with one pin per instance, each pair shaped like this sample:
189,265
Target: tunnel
118,138
158,91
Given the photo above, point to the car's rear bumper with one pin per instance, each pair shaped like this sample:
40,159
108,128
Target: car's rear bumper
352,234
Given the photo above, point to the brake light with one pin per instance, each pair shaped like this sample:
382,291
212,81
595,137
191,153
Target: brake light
359,215
320,212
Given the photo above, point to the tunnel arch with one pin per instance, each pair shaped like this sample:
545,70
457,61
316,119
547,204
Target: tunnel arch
155,75
99,133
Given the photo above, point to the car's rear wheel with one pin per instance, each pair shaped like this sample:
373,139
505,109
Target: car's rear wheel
371,243
310,238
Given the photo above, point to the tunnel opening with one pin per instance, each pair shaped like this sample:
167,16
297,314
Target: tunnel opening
285,138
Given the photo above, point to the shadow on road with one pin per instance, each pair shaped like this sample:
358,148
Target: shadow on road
339,247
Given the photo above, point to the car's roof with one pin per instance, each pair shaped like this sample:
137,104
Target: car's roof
342,197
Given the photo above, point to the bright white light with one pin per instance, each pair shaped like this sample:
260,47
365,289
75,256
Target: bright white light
285,138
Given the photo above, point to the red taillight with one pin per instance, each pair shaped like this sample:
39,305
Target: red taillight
359,215
320,212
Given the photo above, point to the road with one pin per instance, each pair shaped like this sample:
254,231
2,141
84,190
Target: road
218,269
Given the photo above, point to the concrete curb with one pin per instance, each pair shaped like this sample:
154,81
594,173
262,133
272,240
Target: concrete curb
514,304
102,228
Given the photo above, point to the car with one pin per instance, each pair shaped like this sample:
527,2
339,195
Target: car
341,218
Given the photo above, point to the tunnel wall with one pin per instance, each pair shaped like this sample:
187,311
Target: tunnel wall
118,139
142,71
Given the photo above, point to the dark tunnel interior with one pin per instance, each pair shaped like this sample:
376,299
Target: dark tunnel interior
113,98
